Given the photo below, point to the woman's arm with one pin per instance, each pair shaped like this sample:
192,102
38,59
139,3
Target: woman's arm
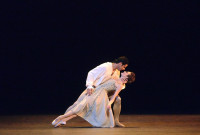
119,88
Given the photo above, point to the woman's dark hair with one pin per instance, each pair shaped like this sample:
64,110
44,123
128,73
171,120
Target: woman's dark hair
122,59
131,77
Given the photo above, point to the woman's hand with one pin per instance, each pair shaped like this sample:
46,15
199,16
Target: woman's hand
109,106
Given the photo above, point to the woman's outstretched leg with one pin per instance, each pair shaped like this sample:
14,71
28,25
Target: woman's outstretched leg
65,120
59,118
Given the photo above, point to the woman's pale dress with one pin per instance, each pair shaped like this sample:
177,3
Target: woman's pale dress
93,108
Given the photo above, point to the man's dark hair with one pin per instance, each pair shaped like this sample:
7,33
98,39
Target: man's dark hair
122,59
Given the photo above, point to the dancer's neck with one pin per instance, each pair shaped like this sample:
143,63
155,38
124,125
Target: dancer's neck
114,66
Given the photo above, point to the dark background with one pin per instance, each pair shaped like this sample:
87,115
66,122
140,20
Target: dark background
48,47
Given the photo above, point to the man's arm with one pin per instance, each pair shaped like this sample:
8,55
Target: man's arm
93,75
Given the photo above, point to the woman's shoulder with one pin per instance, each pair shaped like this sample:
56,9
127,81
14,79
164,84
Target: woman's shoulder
118,84
114,83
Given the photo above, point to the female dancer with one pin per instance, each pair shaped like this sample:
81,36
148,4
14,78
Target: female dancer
96,108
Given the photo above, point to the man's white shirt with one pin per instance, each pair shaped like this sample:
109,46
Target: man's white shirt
100,74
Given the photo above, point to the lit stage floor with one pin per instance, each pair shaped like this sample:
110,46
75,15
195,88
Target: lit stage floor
135,125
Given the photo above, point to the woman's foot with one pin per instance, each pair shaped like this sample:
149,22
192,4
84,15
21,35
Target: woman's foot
58,124
54,122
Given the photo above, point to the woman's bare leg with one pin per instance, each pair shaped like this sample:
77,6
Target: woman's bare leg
65,120
59,118
69,118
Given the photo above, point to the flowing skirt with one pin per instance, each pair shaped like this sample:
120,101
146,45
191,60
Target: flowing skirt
93,108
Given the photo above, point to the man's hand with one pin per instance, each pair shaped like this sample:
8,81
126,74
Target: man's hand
90,91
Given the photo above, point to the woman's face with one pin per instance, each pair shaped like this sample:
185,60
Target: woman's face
124,75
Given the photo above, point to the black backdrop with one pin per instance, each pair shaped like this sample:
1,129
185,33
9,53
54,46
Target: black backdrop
48,47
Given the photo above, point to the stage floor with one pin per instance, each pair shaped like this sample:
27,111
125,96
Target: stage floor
135,125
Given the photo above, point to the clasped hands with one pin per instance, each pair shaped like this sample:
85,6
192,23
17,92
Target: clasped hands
90,91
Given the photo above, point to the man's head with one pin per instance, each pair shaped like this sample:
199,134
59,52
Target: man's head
121,63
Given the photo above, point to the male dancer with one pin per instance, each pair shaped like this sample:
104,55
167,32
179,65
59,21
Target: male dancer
104,72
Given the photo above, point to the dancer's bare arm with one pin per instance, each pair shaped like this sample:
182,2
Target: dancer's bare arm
119,88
